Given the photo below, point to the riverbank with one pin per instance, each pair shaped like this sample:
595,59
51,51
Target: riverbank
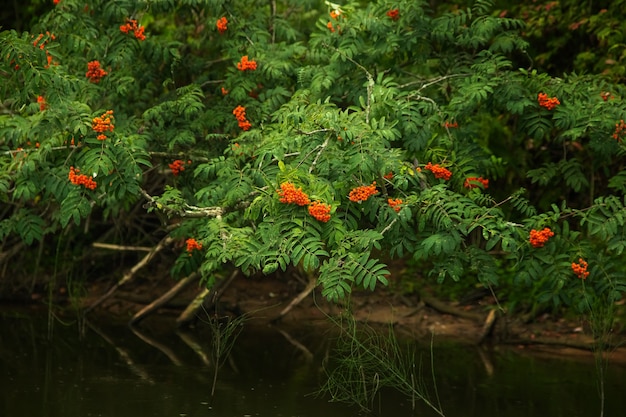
270,301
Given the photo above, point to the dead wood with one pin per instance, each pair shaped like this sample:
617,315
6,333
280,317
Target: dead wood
487,326
162,300
199,301
131,274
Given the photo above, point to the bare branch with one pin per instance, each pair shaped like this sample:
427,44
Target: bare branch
188,211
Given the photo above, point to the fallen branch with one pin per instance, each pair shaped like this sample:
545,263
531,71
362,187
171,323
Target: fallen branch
487,326
192,308
130,274
120,247
147,310
198,302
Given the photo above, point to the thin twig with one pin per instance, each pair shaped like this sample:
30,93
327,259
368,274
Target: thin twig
322,147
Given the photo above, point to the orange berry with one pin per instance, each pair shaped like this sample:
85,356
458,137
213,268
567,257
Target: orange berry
320,211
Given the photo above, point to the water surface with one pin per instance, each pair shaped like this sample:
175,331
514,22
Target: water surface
116,371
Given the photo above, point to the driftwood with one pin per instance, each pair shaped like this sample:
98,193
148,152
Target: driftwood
188,315
159,302
198,302
487,326
131,274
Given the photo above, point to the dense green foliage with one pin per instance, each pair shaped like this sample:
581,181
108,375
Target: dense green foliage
332,98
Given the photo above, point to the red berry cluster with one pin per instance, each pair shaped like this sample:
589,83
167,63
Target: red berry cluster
240,114
245,64
193,244
42,103
334,14
320,211
394,14
547,102
474,182
103,123
451,125
222,25
363,192
620,130
395,204
388,176
606,95
132,26
290,195
178,166
95,72
438,171
538,238
580,268
81,179
42,46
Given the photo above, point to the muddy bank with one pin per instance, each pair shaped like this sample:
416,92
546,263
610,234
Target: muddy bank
264,301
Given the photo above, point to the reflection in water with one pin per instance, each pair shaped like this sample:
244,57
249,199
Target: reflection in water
116,371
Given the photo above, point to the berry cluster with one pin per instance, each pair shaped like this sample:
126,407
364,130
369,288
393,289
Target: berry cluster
388,176
334,14
547,102
95,72
451,125
474,182
606,95
222,25
132,26
103,123
246,64
42,46
42,103
580,268
290,195
193,244
363,192
81,179
538,238
395,204
224,91
438,171
394,14
240,114
620,130
320,211
178,166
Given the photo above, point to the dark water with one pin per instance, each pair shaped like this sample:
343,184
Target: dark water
116,371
